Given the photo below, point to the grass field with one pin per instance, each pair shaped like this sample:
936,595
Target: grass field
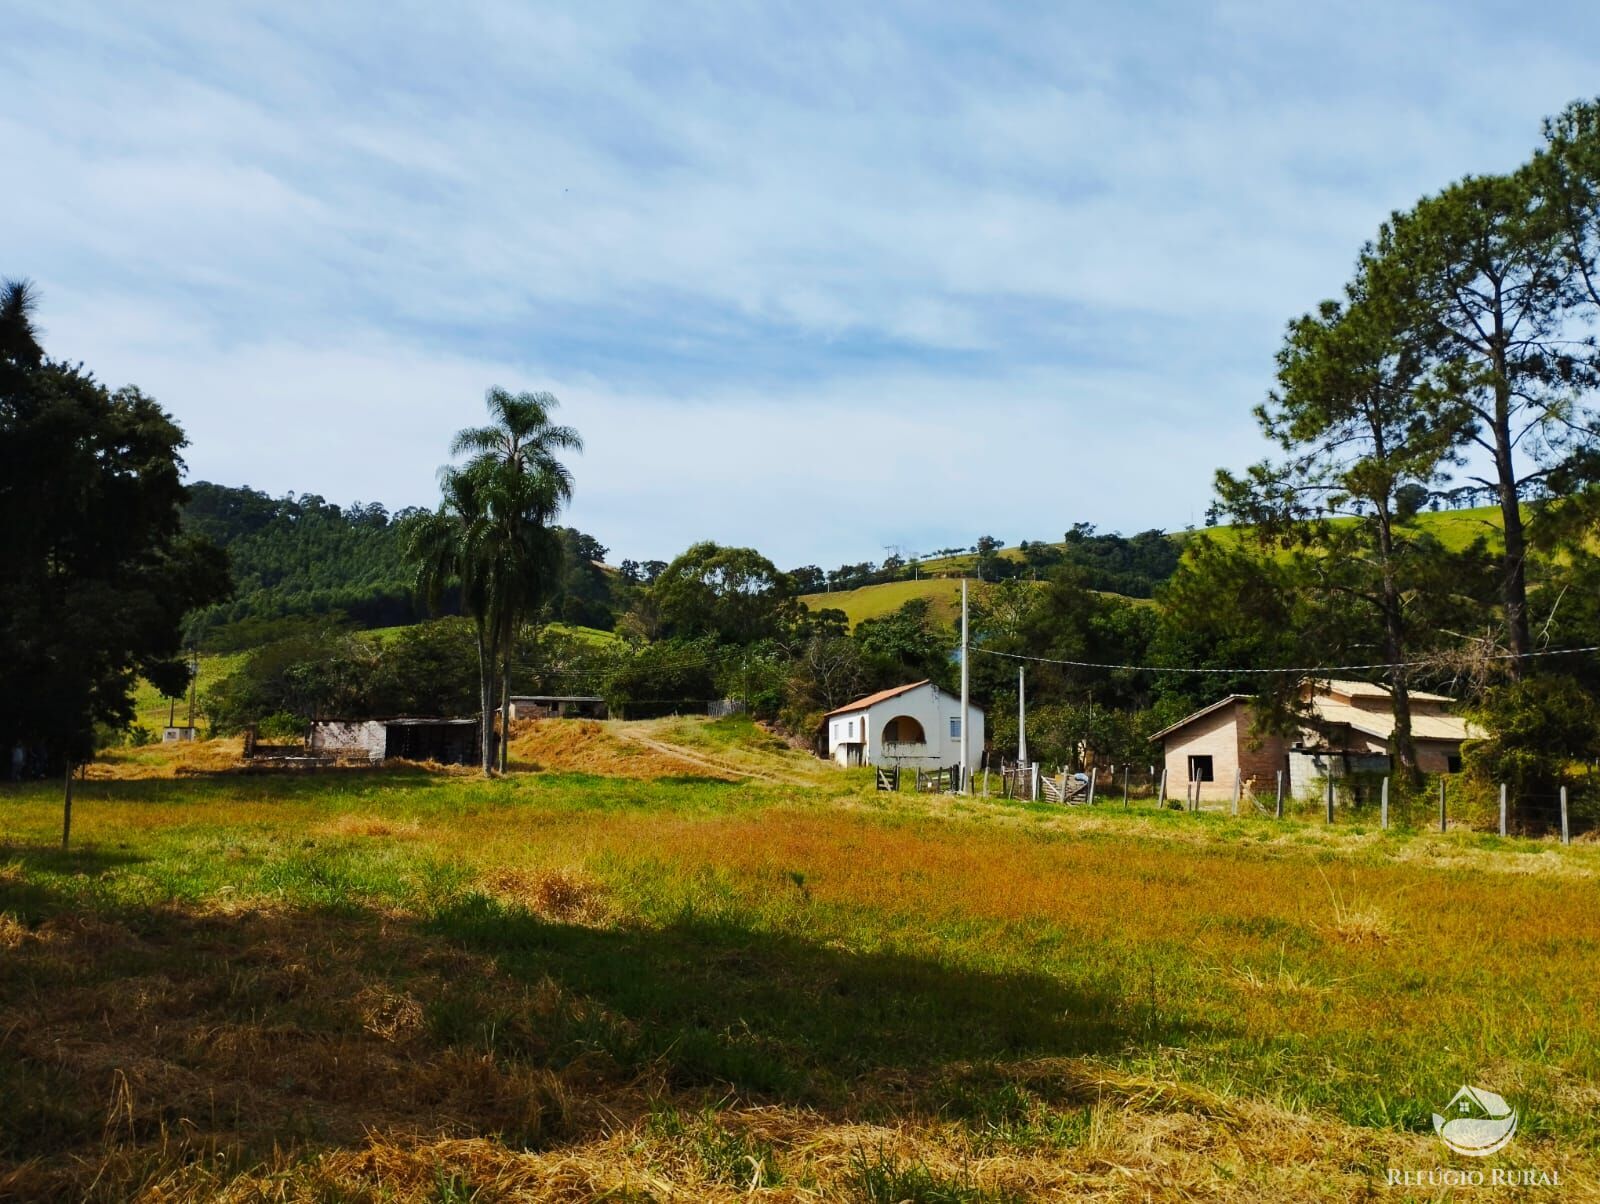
413,985
875,601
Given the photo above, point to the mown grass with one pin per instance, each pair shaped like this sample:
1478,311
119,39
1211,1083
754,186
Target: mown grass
401,985
875,601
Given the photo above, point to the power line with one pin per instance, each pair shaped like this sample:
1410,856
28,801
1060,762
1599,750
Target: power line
1304,672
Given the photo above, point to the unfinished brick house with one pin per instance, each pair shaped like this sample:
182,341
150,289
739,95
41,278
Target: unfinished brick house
1349,734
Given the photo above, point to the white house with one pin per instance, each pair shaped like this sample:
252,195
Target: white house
917,725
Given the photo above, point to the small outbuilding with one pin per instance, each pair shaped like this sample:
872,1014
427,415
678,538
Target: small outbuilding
917,725
1348,731
556,706
447,741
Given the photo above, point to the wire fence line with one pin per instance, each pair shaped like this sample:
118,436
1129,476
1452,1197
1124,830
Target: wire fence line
1447,802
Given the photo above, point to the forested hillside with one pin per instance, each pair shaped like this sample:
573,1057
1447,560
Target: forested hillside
301,556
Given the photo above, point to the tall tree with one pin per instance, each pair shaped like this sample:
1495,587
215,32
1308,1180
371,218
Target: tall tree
449,549
1569,174
98,572
1487,271
493,533
734,594
1365,441
516,460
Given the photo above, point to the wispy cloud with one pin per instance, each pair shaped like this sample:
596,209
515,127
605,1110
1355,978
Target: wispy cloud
814,278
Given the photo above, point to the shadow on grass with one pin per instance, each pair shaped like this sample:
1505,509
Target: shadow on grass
717,1003
263,1030
53,859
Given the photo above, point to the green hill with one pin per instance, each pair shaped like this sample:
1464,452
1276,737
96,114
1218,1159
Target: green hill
1107,561
873,601
302,557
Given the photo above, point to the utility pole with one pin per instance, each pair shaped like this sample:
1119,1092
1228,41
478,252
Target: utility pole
194,677
965,780
1022,718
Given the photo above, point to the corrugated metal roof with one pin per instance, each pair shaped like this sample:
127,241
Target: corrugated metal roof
1425,725
1368,689
1381,724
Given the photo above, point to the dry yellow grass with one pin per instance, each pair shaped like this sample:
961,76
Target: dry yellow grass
246,1024
589,746
565,895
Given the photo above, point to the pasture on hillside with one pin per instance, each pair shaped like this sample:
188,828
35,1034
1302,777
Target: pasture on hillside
676,980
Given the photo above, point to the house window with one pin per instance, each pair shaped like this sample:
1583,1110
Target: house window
1452,764
1200,769
955,728
850,731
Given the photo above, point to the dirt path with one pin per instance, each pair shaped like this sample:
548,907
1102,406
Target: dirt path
680,753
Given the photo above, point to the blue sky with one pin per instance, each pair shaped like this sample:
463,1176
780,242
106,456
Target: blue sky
814,278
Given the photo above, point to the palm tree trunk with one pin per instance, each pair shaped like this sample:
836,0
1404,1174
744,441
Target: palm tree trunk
505,699
486,700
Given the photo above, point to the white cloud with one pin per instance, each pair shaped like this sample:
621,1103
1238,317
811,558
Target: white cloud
781,264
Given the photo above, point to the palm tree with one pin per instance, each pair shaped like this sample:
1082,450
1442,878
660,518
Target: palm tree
450,547
514,460
492,534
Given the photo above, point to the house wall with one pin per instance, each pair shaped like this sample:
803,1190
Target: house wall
930,707
368,736
1309,770
1224,736
846,736
1433,756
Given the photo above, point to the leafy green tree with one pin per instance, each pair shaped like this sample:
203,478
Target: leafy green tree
293,681
1538,728
906,645
1237,606
735,595
98,572
1364,439
665,671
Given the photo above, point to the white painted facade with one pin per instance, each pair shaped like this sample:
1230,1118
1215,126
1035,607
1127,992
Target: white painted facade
349,738
918,725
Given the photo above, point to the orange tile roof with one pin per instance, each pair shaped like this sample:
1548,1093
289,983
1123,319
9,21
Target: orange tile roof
862,704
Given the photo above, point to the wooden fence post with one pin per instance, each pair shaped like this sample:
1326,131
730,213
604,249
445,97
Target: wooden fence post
1502,808
1238,783
1441,803
1330,792
1093,774
1278,811
1566,833
985,781
1033,783
1383,806
1125,770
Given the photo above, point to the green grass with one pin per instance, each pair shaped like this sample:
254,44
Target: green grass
1455,529
875,601
881,996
